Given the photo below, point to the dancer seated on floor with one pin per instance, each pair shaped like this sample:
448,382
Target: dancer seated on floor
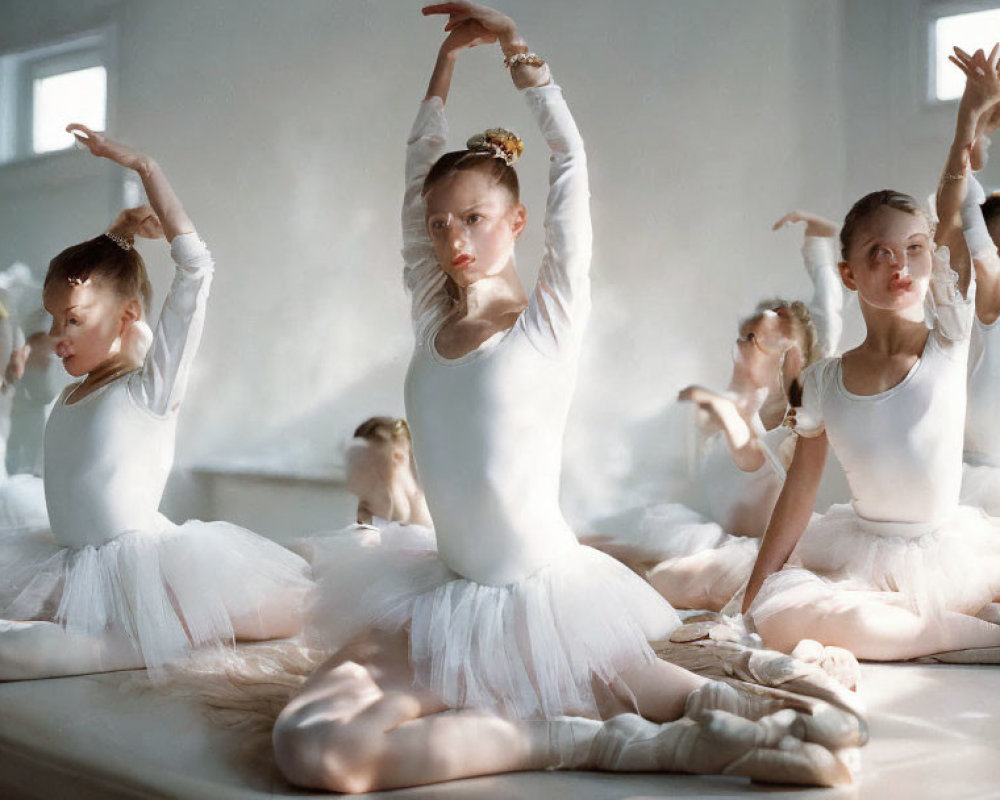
382,472
114,584
900,571
466,654
38,377
699,555
981,221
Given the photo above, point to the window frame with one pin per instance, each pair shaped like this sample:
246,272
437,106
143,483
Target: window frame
20,69
933,11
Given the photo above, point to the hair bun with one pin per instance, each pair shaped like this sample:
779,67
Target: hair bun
497,143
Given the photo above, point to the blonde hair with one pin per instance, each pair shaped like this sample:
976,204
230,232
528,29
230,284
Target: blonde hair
797,325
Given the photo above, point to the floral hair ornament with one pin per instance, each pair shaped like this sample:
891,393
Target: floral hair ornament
123,242
497,143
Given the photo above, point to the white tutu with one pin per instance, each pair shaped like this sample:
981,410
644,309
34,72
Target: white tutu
981,488
953,566
535,648
169,590
22,503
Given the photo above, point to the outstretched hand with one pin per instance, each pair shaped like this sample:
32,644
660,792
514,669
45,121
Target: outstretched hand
815,224
501,26
982,78
139,221
100,145
467,34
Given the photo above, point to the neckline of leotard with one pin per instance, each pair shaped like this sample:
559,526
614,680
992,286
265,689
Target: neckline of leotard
99,390
486,346
888,392
986,326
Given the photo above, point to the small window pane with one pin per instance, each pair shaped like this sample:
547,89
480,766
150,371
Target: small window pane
79,96
978,29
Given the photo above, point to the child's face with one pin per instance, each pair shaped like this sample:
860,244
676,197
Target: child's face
760,345
473,226
371,465
890,260
88,321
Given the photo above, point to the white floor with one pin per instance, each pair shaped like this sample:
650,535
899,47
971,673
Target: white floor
935,734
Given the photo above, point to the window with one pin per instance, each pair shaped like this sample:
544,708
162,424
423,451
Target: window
44,89
970,31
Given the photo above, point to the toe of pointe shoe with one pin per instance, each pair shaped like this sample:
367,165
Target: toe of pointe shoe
795,763
834,728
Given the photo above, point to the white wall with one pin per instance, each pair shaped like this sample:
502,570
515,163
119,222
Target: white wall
282,126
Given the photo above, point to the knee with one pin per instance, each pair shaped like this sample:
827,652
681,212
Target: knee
318,753
684,583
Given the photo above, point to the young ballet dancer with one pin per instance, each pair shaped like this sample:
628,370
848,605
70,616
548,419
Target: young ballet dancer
469,652
981,224
382,473
114,584
698,555
900,571
39,380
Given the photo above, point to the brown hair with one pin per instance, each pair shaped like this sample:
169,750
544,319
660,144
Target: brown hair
867,206
103,260
383,429
466,160
991,208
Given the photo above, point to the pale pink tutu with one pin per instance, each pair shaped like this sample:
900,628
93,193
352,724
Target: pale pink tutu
952,566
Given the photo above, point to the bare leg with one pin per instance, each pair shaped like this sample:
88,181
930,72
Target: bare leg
360,726
46,650
707,579
279,618
876,630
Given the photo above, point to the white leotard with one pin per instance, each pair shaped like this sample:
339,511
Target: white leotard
491,469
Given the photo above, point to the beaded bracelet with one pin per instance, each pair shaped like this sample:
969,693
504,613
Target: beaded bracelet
531,59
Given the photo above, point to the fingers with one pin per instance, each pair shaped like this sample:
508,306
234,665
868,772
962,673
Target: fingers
75,127
788,219
992,59
443,8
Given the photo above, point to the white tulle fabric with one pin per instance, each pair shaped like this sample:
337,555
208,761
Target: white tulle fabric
952,566
904,531
528,649
109,560
169,588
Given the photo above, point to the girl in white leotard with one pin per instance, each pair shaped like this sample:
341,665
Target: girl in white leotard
115,584
699,554
900,571
981,221
464,653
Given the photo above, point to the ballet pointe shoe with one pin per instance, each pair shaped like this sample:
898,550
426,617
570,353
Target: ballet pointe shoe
838,663
817,722
717,743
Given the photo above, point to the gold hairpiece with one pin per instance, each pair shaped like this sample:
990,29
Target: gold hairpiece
124,243
497,143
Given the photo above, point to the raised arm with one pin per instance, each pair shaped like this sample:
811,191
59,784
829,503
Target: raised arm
819,256
560,304
162,198
426,143
982,92
163,379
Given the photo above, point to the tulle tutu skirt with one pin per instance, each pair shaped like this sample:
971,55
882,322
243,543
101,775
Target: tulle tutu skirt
22,503
169,590
952,566
531,649
981,488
